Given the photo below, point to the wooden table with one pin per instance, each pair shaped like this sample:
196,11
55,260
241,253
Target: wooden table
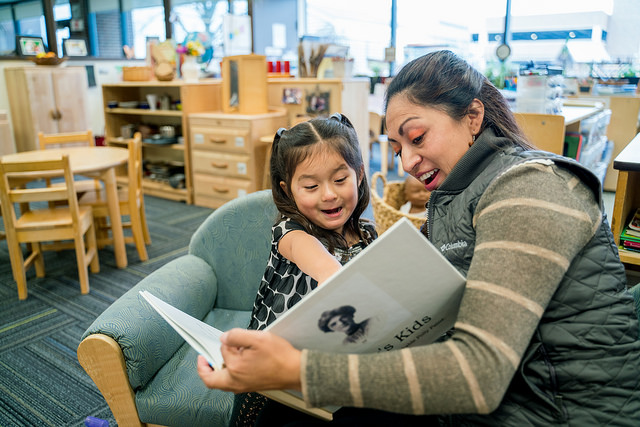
627,198
94,162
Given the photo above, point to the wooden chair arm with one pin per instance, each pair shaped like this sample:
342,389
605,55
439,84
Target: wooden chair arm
101,357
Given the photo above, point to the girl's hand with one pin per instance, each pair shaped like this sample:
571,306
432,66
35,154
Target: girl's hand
255,360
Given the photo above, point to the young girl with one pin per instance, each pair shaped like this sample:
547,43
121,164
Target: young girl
320,189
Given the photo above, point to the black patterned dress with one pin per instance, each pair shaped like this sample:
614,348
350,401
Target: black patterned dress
283,285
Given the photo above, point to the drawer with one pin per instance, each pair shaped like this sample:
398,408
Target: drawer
221,139
218,122
224,164
213,191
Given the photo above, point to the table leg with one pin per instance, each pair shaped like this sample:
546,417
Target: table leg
111,188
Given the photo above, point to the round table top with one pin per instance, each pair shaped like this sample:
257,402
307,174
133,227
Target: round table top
81,159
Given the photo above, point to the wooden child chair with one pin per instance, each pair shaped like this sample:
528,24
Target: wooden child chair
131,204
53,223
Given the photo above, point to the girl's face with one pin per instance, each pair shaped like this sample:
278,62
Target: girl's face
325,190
428,140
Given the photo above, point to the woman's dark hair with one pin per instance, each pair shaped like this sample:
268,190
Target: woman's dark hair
447,82
291,147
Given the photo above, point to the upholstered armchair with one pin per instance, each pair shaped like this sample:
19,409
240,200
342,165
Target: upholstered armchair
144,369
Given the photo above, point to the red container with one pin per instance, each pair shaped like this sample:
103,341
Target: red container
286,67
278,66
270,67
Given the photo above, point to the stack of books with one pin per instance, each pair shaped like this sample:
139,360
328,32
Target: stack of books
630,237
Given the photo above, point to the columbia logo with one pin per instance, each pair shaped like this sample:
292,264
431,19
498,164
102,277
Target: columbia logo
454,245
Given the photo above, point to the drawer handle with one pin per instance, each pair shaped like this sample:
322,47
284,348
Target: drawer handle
220,165
220,190
217,141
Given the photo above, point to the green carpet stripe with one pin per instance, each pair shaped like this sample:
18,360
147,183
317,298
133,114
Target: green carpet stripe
27,320
8,392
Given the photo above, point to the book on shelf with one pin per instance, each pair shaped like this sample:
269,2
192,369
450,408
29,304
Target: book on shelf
628,234
634,223
399,291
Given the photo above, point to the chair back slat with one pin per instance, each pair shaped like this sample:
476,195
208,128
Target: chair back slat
66,139
38,194
15,175
134,168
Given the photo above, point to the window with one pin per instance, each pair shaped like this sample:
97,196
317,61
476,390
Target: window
109,25
362,25
144,20
23,18
104,19
204,19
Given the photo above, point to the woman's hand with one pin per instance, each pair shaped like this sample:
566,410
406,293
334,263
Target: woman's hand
255,360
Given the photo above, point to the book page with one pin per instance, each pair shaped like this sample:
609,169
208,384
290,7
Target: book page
204,338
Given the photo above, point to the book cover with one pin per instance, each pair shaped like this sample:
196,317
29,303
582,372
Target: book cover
399,291
634,224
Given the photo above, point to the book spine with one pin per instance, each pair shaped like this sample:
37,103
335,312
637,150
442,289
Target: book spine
631,244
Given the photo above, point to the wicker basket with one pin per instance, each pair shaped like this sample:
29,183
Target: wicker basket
48,60
386,208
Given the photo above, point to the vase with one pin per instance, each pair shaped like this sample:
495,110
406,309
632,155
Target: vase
190,69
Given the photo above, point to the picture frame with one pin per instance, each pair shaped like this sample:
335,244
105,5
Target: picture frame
318,103
75,47
29,45
292,95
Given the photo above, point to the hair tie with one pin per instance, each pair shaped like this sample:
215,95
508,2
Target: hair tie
278,135
342,119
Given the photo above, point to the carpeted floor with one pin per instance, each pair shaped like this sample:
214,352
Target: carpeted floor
41,381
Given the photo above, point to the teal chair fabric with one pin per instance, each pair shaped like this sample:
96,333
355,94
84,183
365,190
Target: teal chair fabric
217,282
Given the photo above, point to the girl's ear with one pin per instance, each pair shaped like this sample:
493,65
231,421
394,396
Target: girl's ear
283,185
476,115
361,175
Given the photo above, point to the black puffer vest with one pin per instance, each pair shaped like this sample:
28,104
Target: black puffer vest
582,366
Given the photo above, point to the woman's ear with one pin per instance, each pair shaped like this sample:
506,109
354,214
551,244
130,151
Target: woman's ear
476,115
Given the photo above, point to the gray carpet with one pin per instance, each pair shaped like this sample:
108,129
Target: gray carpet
41,381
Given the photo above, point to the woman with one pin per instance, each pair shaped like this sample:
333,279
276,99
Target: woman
547,332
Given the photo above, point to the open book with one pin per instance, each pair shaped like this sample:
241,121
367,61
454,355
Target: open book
399,291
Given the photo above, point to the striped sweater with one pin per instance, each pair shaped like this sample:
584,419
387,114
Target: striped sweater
529,225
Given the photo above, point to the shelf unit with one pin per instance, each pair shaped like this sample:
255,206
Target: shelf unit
195,97
230,152
627,198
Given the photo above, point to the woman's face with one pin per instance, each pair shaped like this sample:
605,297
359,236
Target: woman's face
428,141
340,323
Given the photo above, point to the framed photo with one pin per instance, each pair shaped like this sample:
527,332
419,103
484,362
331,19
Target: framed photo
292,95
29,45
318,103
75,47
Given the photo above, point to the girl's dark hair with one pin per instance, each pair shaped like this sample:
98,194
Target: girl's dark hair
291,147
447,82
